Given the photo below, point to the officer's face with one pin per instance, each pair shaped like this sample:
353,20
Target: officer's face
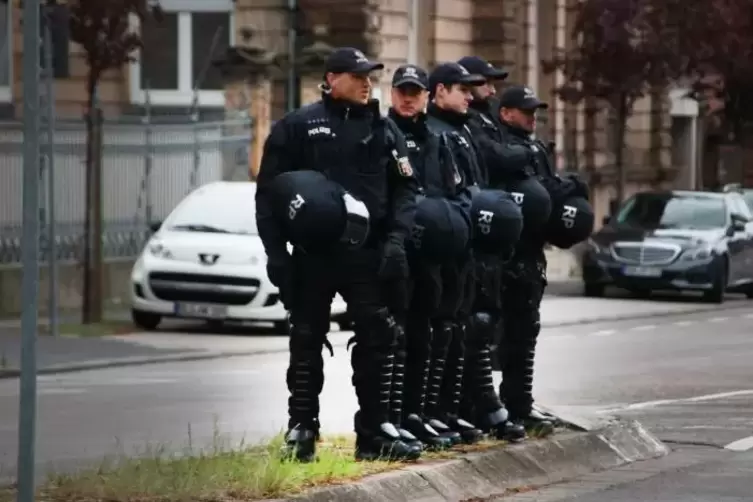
409,100
457,97
524,119
353,87
485,91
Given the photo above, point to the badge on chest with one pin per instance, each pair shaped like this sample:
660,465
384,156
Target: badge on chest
403,165
319,131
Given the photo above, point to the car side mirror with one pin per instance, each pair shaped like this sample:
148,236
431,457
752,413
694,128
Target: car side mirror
155,226
606,220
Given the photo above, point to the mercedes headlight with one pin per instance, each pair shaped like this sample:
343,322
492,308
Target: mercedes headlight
701,253
159,250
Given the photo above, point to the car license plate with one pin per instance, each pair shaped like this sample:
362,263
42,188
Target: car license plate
201,310
642,271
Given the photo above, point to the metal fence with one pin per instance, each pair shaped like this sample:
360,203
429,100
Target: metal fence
148,167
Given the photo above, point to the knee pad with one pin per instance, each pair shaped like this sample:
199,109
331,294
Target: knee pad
305,339
481,328
378,332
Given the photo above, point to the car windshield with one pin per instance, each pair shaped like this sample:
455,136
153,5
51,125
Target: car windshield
223,209
653,211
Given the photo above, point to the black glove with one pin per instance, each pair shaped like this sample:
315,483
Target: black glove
394,274
394,264
280,273
580,188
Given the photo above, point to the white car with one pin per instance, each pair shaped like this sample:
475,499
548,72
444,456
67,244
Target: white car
206,261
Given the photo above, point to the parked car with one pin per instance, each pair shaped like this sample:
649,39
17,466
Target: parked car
676,240
206,261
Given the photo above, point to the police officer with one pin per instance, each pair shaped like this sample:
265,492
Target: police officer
484,121
441,234
525,276
450,92
344,137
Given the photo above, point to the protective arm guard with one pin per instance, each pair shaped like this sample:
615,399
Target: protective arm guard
404,187
275,160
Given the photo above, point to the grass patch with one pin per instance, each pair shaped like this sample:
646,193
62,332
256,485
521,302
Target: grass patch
103,328
219,474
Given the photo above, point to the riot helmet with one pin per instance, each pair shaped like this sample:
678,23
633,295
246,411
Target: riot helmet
440,230
534,202
316,214
570,223
497,222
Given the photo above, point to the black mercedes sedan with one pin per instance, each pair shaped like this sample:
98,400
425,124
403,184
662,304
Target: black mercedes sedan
676,240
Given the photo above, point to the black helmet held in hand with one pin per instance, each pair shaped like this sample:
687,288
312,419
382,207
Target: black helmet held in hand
497,222
534,202
316,213
440,230
570,223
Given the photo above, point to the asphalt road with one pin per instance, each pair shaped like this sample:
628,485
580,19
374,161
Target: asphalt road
688,378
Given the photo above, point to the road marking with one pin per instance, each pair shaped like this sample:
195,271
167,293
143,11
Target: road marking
743,444
718,319
604,332
646,327
694,399
682,323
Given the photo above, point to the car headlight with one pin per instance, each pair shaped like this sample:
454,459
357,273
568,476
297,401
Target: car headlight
159,250
700,253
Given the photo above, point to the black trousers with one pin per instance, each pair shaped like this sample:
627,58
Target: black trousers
449,332
479,394
524,281
354,275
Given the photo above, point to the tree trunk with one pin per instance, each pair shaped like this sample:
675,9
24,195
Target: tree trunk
92,287
620,127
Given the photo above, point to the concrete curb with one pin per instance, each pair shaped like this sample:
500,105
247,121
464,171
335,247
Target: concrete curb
493,472
209,355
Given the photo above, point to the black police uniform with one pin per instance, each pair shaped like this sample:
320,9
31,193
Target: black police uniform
363,152
525,276
445,205
459,286
480,399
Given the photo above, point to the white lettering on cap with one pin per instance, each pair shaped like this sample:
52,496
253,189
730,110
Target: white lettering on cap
360,57
410,72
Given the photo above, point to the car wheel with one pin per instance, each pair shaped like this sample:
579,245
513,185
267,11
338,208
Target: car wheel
282,327
716,294
593,289
145,320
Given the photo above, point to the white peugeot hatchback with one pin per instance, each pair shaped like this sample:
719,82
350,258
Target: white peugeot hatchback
206,261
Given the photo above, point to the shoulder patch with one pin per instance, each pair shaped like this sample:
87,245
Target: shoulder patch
403,165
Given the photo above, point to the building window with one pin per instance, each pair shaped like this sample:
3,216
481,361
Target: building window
178,54
6,52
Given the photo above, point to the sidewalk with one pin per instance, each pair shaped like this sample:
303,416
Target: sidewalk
68,353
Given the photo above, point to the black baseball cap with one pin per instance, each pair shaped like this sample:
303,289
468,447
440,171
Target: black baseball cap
350,60
453,73
409,74
475,64
522,98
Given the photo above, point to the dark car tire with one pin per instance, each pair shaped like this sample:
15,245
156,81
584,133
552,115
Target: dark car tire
716,295
593,289
145,320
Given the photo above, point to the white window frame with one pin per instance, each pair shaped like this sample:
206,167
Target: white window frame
6,91
183,96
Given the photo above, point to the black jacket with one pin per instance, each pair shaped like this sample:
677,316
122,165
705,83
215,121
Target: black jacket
432,161
452,128
354,146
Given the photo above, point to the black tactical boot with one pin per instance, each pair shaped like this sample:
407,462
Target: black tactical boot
452,389
300,444
498,425
396,393
535,423
425,433
442,335
382,442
